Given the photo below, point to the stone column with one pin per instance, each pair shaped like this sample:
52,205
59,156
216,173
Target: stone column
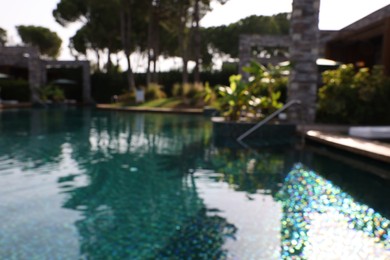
87,99
34,78
303,80
244,54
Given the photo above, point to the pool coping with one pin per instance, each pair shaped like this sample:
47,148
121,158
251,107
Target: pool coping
332,135
16,105
197,111
368,148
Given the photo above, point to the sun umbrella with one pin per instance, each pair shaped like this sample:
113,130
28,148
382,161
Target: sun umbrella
320,62
64,82
3,76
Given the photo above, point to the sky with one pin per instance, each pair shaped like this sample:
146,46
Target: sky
334,14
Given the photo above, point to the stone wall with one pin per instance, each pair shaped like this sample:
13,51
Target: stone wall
248,42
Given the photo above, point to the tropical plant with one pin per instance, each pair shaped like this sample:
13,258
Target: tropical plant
256,98
267,84
209,95
234,98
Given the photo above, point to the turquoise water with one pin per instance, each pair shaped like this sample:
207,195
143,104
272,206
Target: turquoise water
87,184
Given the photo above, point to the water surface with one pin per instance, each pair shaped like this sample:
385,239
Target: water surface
95,185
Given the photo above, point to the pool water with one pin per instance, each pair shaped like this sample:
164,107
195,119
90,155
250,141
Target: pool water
90,184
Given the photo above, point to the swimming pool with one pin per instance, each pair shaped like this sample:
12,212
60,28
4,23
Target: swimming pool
90,184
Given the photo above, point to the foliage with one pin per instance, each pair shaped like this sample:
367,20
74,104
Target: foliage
154,91
209,95
225,39
354,96
48,42
195,96
179,90
127,98
104,86
192,94
51,92
234,98
14,90
257,98
267,84
3,37
166,27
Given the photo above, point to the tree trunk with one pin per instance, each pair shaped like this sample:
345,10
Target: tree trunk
126,41
155,59
130,74
97,60
185,71
148,71
183,45
109,62
156,46
149,43
197,42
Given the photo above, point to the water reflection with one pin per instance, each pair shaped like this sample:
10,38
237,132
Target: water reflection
125,175
305,195
246,170
316,215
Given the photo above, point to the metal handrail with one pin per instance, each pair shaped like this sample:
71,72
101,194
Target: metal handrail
268,118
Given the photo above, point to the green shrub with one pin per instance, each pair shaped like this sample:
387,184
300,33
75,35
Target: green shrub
192,94
154,91
15,90
52,93
354,96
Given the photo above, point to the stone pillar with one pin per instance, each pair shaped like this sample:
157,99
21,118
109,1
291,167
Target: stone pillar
304,50
87,99
34,78
244,54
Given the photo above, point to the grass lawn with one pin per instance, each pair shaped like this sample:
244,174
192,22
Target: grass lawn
164,102
172,102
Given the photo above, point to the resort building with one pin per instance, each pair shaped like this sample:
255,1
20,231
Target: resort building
365,42
27,63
